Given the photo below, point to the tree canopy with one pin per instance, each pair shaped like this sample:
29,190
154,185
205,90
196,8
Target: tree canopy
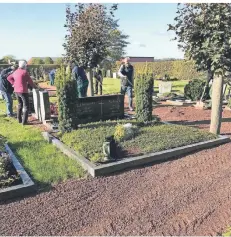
93,35
37,61
48,60
203,32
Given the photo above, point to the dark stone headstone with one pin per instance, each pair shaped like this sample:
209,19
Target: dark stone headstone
96,108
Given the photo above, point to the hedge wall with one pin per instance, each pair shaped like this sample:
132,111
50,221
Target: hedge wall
179,69
38,72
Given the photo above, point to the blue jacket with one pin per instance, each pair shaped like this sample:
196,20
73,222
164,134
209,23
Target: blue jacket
52,73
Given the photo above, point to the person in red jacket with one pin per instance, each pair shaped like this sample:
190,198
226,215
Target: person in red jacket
20,80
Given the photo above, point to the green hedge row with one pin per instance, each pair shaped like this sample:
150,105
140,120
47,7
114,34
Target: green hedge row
38,72
178,69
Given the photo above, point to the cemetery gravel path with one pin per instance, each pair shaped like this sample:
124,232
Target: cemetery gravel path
188,196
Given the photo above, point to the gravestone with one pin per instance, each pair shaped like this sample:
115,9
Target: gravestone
36,99
93,109
109,73
44,105
31,103
114,75
165,87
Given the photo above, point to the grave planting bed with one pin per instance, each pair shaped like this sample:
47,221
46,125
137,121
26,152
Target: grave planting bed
14,180
151,143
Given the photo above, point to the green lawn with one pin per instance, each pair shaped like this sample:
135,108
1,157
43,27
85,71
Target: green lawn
111,85
42,160
89,139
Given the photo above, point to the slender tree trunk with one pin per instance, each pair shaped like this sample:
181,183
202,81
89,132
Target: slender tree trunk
90,91
217,98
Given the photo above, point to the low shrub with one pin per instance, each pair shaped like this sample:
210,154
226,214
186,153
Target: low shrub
8,175
194,89
88,140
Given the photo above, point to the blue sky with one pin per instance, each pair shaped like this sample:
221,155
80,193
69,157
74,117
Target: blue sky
36,30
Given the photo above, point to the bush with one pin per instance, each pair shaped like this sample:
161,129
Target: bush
194,89
180,69
143,92
67,99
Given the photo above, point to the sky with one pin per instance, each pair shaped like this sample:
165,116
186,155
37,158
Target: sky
36,30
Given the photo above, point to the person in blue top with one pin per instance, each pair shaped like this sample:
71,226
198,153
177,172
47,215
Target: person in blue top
79,75
52,77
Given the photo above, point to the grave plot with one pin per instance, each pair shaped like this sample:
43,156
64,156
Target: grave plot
14,180
105,147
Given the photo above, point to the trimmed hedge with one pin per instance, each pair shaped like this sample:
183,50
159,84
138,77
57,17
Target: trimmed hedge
143,91
67,99
38,72
179,69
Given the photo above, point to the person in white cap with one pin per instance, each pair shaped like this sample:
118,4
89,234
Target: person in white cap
20,79
126,73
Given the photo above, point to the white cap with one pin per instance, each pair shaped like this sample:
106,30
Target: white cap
22,64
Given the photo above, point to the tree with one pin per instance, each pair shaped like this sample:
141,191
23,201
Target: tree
203,33
58,61
91,29
48,60
37,61
5,59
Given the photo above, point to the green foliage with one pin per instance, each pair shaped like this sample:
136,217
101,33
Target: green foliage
7,58
177,69
93,35
119,132
48,60
58,61
88,140
41,71
67,99
203,33
8,175
45,163
143,92
194,89
36,61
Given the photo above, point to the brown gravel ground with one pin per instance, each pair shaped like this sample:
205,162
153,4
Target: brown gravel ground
187,196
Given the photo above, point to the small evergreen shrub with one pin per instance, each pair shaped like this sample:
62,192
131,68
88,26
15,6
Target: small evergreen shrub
143,92
67,100
194,89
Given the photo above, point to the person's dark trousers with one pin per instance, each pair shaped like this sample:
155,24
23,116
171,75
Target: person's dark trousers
52,80
9,103
128,90
23,106
98,84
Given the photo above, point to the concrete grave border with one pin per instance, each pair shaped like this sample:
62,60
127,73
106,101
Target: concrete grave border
20,190
109,168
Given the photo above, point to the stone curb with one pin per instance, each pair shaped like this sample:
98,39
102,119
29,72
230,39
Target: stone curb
21,190
133,161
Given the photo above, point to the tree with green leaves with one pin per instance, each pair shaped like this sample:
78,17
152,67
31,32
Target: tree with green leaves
92,35
58,61
203,33
36,61
7,58
48,60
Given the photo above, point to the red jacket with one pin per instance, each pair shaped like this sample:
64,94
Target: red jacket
20,80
